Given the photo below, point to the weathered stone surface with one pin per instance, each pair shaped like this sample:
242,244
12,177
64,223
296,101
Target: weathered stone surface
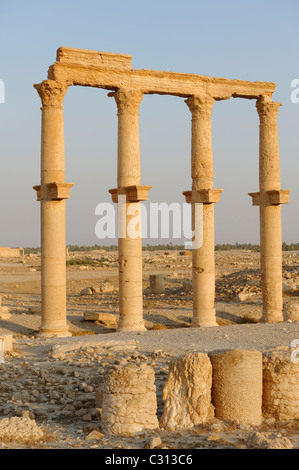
187,285
157,283
84,68
129,400
280,385
108,319
268,440
86,291
291,310
23,430
106,287
187,392
7,341
237,385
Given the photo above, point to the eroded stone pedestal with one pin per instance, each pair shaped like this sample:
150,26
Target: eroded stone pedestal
187,392
280,385
129,402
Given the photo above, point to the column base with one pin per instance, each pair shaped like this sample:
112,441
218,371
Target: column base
52,333
272,316
127,325
204,318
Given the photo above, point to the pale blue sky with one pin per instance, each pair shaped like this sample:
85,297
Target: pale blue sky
250,40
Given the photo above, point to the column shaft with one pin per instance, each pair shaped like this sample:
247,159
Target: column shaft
130,249
270,215
53,258
203,258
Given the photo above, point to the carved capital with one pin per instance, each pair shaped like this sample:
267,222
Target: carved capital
127,100
51,92
200,105
267,110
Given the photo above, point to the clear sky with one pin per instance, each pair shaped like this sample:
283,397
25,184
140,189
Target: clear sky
250,40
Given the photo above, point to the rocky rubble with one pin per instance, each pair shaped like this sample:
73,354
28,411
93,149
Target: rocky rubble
58,386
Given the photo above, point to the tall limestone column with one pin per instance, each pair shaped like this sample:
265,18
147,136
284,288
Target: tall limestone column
52,193
270,198
131,192
203,255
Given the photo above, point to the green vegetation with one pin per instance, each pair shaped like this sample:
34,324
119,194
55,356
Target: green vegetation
170,246
27,251
237,246
84,262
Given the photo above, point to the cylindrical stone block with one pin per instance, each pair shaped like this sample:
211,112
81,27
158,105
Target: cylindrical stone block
280,385
129,400
237,385
187,392
157,283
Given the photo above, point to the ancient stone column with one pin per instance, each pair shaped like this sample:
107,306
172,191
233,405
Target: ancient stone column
52,193
270,212
237,385
128,187
203,257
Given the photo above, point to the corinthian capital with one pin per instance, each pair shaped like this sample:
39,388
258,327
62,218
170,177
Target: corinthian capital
127,100
267,110
200,105
51,92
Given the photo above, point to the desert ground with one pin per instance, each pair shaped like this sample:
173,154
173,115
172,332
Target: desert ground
48,386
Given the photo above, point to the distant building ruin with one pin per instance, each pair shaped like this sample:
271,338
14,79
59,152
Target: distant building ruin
6,252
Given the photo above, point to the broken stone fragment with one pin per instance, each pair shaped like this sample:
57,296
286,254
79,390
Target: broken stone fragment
281,385
187,392
291,310
86,291
107,319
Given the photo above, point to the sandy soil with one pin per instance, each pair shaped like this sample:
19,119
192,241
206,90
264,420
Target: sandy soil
54,380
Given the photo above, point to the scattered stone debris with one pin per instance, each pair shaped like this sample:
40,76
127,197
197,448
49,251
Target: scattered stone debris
23,430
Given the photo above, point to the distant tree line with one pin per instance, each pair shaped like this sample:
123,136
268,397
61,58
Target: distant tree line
237,246
170,246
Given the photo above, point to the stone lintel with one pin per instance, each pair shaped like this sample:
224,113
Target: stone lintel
53,191
93,58
133,193
203,196
276,197
113,71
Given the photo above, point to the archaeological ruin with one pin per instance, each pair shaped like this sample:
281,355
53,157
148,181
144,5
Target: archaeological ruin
113,72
